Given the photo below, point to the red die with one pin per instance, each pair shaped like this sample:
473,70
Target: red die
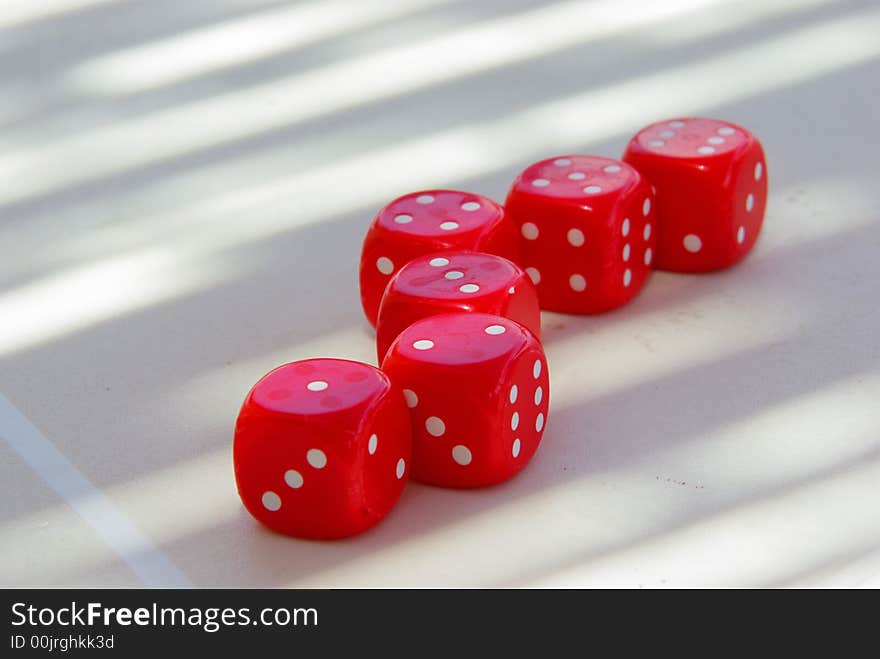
456,281
321,448
711,184
586,225
424,222
478,391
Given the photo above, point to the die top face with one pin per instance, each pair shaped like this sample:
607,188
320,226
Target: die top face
574,177
693,138
457,339
456,276
319,386
443,214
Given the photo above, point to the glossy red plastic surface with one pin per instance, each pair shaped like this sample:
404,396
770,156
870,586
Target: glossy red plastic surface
586,231
425,222
444,282
710,178
478,391
322,448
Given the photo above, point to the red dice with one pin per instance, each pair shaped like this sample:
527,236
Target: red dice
456,281
478,391
587,231
424,222
711,184
322,448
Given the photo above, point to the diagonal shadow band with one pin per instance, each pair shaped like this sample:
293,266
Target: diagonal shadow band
155,152
620,438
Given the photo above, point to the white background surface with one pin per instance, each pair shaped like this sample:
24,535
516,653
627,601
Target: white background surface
183,192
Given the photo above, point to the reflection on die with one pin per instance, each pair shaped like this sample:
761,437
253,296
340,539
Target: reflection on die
586,231
322,448
478,391
711,183
444,282
424,222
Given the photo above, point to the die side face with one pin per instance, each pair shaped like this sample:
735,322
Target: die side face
444,282
306,463
524,409
586,231
711,182
749,201
389,451
424,222
468,380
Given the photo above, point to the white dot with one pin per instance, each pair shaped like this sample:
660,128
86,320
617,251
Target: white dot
539,395
470,206
725,130
540,182
624,228
384,265
514,421
373,444
577,176
317,385
575,237
692,243
317,458
435,426
449,226
529,231
592,189
627,277
759,170
539,422
401,468
577,282
676,124
454,274
715,140
647,232
536,369
611,169
741,235
469,288
293,478
511,290
750,202
423,344
514,392
666,134
403,218
562,162
649,255
425,199
706,150
534,275
495,329
626,252
439,262
271,501
462,455
412,398
656,143
516,447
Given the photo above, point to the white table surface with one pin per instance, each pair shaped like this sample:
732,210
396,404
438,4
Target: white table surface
183,192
